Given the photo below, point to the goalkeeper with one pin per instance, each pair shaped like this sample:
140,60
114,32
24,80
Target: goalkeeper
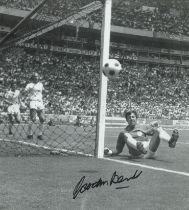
142,140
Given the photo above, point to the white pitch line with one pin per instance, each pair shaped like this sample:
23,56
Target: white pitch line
149,167
169,129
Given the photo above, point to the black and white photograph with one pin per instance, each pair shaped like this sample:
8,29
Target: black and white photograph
94,105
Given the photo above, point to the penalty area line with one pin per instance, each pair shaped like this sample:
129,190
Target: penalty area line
148,167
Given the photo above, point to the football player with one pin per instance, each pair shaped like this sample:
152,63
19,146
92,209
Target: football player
12,98
142,140
34,93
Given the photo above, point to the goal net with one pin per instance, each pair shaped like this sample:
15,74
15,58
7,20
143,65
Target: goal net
61,42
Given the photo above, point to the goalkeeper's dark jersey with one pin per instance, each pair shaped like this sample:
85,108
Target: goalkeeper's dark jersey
140,133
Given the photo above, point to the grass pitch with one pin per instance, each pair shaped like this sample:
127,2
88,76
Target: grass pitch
47,182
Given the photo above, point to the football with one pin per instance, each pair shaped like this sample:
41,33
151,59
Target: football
112,68
107,151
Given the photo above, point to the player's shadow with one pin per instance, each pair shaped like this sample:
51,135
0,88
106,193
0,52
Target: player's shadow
161,160
128,157
132,159
88,171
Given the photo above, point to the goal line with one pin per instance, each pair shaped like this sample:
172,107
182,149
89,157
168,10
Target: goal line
36,148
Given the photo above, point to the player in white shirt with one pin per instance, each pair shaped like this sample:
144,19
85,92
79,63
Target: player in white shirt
34,94
12,98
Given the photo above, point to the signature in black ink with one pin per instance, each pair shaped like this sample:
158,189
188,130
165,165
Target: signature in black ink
115,179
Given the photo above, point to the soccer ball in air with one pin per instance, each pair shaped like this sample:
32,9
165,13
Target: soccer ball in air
112,68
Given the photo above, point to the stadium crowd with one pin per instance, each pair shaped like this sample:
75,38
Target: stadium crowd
67,79
21,4
170,16
155,91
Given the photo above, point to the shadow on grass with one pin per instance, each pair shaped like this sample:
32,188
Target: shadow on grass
88,171
130,158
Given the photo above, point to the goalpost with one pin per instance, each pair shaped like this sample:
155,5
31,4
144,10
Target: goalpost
105,44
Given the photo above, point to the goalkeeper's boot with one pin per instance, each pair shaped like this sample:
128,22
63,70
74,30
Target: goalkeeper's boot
40,137
174,138
107,151
141,148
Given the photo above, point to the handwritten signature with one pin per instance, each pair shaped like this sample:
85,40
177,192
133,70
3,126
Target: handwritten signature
115,179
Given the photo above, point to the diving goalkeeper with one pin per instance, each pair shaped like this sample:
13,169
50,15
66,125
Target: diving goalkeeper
142,140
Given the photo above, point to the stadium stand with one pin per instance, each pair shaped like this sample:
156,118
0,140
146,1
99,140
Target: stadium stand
153,90
171,18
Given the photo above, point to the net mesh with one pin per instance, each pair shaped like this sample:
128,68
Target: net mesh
56,43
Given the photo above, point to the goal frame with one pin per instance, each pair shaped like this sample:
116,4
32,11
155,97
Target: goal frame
105,45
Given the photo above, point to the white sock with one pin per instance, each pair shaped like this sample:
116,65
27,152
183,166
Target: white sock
163,135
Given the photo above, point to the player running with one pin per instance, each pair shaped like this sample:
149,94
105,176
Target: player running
12,98
34,95
136,137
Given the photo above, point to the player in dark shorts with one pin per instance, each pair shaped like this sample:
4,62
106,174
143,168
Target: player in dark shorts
142,140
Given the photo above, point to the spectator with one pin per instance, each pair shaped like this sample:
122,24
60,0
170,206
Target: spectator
72,82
